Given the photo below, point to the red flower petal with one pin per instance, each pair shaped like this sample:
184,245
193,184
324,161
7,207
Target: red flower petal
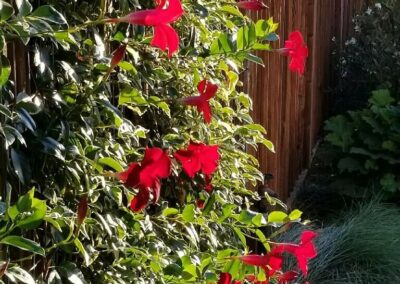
118,55
165,37
190,163
287,277
140,201
206,89
198,156
210,158
255,259
200,203
225,278
82,210
130,177
274,264
254,5
156,191
208,187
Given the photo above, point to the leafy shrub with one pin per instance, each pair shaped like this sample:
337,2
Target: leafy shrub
91,113
366,144
360,246
370,60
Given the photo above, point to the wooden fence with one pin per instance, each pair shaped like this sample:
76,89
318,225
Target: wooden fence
291,107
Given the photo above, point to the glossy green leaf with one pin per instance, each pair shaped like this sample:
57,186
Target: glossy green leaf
18,275
277,217
112,163
50,14
24,7
23,244
6,11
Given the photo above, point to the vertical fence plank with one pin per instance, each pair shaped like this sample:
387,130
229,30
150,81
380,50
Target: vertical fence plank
290,107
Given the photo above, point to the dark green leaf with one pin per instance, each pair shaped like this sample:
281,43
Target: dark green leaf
24,7
27,119
21,166
49,14
6,11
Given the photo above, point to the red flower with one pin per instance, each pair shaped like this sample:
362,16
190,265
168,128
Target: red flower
82,210
208,187
297,51
207,91
303,252
156,164
286,277
166,12
198,156
200,203
270,262
254,5
225,278
118,55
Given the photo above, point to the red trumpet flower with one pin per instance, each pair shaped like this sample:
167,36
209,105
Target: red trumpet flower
296,49
303,252
207,91
270,262
254,5
156,164
198,156
160,18
118,55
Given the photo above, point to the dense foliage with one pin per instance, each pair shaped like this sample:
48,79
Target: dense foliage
370,59
94,117
365,144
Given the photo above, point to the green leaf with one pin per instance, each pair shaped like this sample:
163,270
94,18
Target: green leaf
173,270
24,7
37,213
255,59
82,252
21,166
277,217
261,46
5,70
131,95
209,205
381,98
232,10
263,239
16,274
246,37
6,11
49,14
170,211
110,162
53,147
128,67
188,213
242,238
221,45
23,244
27,119
295,215
29,212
